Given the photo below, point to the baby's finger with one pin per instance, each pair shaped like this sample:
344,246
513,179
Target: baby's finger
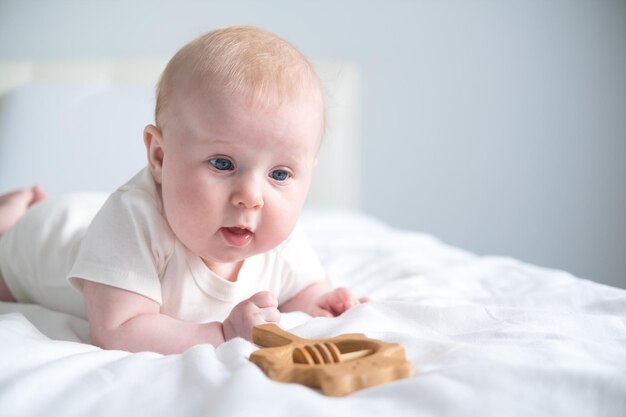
343,300
38,195
364,300
271,314
264,299
320,312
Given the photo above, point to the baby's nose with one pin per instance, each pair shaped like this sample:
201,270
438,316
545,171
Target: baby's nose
249,194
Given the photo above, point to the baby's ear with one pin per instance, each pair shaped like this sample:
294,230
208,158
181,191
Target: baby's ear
153,140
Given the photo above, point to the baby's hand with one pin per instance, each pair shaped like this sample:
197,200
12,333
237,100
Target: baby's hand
261,308
337,301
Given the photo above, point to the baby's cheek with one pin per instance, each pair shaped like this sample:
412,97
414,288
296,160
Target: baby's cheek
279,232
280,227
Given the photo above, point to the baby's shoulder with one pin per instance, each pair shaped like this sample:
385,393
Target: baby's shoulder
134,211
139,193
296,252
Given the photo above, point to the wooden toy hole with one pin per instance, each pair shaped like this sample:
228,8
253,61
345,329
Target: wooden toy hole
318,354
328,353
356,349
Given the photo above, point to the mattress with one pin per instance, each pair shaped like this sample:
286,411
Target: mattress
488,336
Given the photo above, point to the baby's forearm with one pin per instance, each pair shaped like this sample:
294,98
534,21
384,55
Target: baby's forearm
158,333
121,319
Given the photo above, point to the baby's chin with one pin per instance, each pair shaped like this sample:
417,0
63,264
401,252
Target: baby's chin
232,254
224,259
230,257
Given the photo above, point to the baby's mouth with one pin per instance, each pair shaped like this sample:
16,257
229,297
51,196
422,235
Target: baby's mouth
237,236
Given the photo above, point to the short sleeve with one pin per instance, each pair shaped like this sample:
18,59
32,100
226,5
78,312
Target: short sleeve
126,246
303,266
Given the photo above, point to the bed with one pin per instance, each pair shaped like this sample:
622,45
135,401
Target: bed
488,336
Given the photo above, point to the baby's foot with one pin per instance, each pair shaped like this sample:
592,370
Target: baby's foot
13,205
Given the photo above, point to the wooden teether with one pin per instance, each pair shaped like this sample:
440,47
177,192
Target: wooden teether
339,365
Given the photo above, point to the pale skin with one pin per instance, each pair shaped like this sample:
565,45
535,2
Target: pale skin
250,168
13,205
256,141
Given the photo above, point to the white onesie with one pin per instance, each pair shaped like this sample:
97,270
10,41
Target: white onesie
130,245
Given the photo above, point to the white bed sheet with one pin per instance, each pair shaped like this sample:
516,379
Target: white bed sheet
488,336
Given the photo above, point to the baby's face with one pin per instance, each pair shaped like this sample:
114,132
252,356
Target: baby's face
235,177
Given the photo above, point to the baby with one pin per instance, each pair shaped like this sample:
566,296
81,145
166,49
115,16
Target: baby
203,243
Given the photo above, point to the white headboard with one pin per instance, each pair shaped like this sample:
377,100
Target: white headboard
77,126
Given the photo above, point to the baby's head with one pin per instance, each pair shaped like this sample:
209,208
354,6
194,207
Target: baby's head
239,120
243,61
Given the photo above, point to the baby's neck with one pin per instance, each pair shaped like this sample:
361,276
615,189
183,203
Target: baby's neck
227,271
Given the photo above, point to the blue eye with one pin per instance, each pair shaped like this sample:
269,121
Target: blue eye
222,164
279,175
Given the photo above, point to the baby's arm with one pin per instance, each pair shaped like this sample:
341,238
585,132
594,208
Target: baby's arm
125,320
321,299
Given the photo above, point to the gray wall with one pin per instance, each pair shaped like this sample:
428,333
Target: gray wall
498,126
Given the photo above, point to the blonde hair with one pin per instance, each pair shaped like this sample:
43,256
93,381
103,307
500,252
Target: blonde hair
243,60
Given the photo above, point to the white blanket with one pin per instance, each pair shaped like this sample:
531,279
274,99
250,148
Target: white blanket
487,336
